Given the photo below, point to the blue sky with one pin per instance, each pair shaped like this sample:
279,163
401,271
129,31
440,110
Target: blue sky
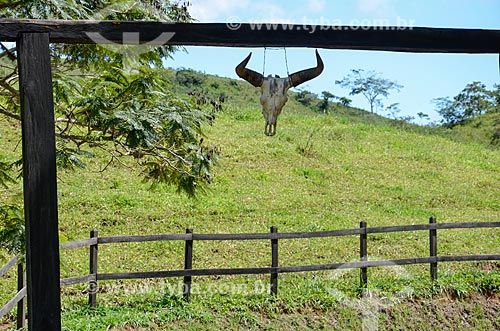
424,76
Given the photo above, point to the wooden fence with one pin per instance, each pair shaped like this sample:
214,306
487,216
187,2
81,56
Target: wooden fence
273,270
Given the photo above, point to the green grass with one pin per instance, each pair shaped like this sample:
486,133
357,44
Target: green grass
320,172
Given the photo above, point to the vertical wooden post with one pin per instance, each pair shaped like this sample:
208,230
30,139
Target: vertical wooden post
363,254
433,248
188,265
93,249
40,182
21,305
274,262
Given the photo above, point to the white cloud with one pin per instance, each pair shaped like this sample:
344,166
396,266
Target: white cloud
245,10
316,6
382,8
216,10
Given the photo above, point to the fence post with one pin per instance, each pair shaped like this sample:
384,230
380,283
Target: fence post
433,248
274,262
93,270
21,305
363,254
188,264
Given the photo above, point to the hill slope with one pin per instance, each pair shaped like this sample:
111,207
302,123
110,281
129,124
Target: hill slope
320,172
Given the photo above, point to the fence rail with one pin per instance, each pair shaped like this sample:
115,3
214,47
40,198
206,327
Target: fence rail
274,270
20,297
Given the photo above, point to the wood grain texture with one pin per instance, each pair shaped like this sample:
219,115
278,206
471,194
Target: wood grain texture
78,280
22,304
12,302
399,39
282,235
188,264
299,268
12,262
93,267
39,182
433,249
274,262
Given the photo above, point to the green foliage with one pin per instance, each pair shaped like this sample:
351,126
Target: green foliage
6,173
370,85
325,103
70,158
305,98
12,234
143,119
130,112
346,102
189,78
474,100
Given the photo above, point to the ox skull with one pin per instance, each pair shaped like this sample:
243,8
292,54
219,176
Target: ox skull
274,89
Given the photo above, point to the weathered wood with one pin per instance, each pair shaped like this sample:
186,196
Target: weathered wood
421,227
93,251
182,273
282,235
400,39
318,234
389,263
363,255
12,262
468,258
188,265
232,236
290,269
77,280
271,236
12,302
433,249
136,239
274,262
40,183
21,305
399,228
79,243
467,225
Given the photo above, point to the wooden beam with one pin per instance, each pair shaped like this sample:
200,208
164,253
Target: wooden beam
399,39
39,180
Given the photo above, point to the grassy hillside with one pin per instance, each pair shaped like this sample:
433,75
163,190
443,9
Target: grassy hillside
320,172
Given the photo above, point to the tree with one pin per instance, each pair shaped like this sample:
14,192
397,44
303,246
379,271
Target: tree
306,98
393,110
346,102
495,93
472,101
370,85
422,116
104,102
126,113
324,104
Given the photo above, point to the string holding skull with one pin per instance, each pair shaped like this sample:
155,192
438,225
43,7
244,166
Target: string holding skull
274,89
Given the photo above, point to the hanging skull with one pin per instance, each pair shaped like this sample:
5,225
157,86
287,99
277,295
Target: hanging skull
274,89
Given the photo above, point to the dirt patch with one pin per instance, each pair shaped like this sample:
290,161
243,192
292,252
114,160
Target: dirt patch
475,312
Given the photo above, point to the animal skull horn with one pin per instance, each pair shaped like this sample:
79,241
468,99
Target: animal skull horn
274,89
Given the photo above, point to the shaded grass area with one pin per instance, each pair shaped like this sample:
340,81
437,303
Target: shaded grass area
320,172
308,305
